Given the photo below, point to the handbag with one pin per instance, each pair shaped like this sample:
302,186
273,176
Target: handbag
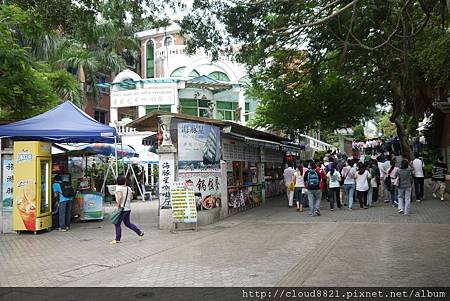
118,211
291,186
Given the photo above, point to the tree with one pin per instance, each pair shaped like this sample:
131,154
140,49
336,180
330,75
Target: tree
377,42
25,83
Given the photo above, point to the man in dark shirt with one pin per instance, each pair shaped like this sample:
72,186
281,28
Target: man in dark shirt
438,176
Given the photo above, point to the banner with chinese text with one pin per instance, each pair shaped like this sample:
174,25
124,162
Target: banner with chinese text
207,186
199,147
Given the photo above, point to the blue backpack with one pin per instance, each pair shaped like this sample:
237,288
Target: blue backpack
313,179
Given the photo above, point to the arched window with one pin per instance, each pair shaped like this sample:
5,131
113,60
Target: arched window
150,62
217,75
178,72
194,73
168,41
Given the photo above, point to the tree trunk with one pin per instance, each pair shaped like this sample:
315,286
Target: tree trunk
401,133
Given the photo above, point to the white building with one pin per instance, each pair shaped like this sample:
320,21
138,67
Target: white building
171,80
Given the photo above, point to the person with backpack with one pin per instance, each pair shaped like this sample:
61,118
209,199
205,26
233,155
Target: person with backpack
123,199
65,194
312,184
405,180
362,185
334,187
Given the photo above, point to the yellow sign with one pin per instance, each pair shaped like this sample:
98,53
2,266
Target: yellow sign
183,203
31,190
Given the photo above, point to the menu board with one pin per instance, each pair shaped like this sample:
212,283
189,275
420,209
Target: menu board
183,203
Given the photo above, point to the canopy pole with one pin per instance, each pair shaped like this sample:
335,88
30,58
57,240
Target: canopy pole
115,151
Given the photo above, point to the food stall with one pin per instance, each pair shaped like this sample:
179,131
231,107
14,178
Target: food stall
47,127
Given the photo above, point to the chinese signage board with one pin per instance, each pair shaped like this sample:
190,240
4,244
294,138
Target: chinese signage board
143,97
183,203
206,186
199,147
7,184
166,178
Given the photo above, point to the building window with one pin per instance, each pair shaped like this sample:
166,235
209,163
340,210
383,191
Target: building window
163,108
226,110
194,73
150,62
195,107
178,72
100,116
168,41
247,111
217,75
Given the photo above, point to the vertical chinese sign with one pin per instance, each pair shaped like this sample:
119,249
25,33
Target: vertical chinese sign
7,178
166,178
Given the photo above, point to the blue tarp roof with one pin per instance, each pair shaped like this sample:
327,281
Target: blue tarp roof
64,123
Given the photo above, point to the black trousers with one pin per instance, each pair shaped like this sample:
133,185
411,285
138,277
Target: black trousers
418,187
362,198
335,195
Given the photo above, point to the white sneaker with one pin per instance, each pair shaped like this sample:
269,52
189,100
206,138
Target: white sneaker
434,195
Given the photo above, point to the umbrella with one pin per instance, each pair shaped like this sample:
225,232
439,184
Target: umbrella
104,149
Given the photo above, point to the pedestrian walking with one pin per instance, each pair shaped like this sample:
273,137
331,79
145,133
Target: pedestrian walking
288,173
334,187
372,196
362,185
419,176
392,182
299,186
405,180
438,177
349,175
312,183
123,199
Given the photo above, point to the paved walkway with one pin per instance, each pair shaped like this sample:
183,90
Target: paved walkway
266,246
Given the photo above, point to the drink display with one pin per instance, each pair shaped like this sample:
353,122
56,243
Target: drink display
31,190
26,205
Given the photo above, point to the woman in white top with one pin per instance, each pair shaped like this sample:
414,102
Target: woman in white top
123,199
392,175
362,185
299,186
334,186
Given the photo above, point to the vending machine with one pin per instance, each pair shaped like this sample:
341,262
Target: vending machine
32,186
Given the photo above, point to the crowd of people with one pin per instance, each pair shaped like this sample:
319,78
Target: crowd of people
387,145
366,181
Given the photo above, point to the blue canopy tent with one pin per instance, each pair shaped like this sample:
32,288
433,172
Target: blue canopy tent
63,124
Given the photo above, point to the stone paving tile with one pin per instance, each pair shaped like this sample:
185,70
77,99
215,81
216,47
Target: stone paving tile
259,247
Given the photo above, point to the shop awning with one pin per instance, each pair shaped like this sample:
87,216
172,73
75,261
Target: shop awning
63,124
262,143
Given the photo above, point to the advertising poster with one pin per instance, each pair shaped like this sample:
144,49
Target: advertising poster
183,203
24,189
7,179
198,147
206,186
92,206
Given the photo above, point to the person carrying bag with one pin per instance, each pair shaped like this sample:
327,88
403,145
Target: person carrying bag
123,211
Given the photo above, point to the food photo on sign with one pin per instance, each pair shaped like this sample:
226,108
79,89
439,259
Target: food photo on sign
206,188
